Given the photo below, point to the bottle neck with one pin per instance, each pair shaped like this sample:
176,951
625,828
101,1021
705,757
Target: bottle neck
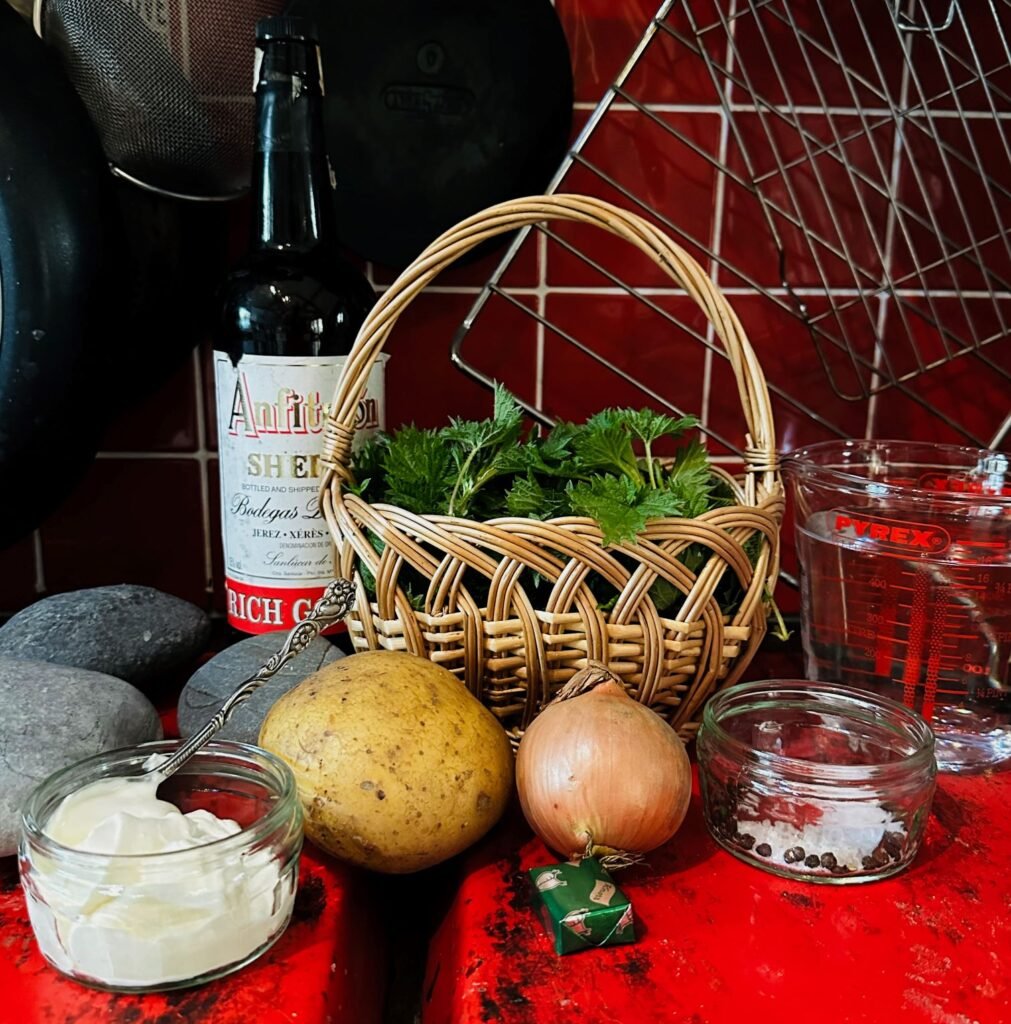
292,192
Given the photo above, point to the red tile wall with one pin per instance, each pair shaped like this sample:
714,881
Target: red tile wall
147,510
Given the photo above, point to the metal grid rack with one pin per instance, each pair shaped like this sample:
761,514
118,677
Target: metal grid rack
867,144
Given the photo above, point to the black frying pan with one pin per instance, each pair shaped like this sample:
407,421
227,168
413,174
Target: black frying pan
55,217
104,288
436,109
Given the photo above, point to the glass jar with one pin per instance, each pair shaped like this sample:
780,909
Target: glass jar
905,565
816,781
150,922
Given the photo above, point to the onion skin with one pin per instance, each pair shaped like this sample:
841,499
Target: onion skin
601,770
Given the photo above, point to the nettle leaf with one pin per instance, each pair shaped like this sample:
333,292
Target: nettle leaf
664,595
527,498
649,426
521,458
607,448
691,479
557,446
604,419
533,457
620,507
418,467
367,465
694,557
506,409
503,428
471,435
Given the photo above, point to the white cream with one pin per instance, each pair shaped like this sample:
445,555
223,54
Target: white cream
134,921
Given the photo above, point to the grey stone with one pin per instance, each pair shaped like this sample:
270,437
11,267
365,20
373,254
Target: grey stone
134,633
214,681
54,715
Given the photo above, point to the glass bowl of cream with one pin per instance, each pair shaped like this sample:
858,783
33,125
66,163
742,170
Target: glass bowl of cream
137,887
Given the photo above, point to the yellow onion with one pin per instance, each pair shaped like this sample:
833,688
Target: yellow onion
596,771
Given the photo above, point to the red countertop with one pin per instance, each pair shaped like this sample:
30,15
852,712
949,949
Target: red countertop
725,943
327,968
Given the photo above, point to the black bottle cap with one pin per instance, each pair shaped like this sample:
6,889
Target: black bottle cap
286,26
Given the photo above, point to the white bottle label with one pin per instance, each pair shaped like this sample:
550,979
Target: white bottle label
271,414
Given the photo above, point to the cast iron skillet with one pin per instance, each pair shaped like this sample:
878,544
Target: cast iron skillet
436,109
56,215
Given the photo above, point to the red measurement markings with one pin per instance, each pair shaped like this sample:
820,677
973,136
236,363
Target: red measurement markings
938,621
917,631
883,648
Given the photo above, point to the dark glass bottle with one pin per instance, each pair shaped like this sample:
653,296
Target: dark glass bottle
290,312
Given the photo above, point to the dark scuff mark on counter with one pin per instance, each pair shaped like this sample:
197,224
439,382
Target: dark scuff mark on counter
489,1008
799,899
967,890
192,1004
636,965
509,992
310,901
126,1014
518,886
509,939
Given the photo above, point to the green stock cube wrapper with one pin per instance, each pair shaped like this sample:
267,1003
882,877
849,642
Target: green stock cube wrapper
582,907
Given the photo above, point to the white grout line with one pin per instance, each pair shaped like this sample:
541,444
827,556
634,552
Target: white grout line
40,566
750,108
836,293
542,292
883,304
716,237
209,521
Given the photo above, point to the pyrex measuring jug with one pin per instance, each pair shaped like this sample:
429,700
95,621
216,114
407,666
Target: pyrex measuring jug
905,556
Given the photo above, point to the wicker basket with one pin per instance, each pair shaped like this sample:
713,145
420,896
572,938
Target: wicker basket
508,652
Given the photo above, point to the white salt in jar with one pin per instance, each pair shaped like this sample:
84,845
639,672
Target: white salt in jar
816,781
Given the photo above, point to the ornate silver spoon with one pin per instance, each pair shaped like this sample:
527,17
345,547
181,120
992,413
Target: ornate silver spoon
337,600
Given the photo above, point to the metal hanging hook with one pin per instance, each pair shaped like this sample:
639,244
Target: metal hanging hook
909,24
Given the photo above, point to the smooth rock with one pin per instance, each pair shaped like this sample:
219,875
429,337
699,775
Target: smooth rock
54,715
134,633
214,681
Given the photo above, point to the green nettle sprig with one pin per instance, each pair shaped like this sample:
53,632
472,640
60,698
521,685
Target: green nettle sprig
606,469
488,468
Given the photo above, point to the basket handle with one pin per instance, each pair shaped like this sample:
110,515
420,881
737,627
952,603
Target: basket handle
760,452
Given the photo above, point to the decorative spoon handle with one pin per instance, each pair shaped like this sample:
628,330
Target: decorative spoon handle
337,600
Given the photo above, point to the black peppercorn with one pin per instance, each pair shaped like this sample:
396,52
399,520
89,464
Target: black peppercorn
746,841
892,842
879,858
763,850
828,861
794,854
813,860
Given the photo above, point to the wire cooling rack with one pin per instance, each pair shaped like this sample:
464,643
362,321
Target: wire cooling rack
864,151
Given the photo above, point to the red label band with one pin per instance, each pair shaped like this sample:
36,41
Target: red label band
256,609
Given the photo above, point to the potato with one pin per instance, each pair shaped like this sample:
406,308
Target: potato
398,766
